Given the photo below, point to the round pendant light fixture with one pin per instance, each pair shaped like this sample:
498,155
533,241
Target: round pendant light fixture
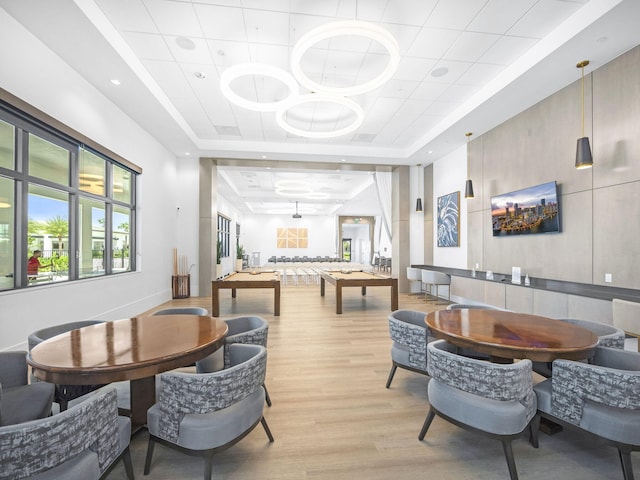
345,28
257,69
319,98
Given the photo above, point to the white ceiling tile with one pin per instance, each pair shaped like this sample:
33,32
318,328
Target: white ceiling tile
458,93
221,23
148,46
507,49
128,15
433,42
413,68
226,54
543,17
399,88
276,55
323,8
174,18
371,10
277,5
267,27
226,3
470,46
454,14
498,16
454,71
408,12
441,108
429,90
301,24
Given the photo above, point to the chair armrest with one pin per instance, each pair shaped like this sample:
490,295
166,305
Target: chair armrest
576,382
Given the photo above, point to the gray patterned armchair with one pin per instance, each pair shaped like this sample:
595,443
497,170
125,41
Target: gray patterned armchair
493,399
81,443
19,401
608,336
182,311
250,330
602,398
203,413
410,336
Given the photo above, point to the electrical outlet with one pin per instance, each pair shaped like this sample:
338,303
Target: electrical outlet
608,278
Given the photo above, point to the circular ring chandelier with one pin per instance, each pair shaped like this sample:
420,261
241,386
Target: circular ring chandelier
344,28
260,69
318,98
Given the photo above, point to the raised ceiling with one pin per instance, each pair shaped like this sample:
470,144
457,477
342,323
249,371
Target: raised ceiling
466,65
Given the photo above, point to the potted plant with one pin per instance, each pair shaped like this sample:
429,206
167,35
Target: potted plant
218,259
239,255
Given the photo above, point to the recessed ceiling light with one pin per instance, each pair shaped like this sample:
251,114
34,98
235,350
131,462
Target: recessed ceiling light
115,81
264,156
439,72
187,153
185,43
342,160
430,152
200,75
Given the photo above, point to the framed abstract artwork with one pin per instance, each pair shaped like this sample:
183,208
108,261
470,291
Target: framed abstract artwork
449,220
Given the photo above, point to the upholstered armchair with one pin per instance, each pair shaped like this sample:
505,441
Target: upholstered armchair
250,330
201,414
81,443
410,335
601,397
490,398
64,393
19,401
608,336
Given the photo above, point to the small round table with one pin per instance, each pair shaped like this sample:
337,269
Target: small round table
507,335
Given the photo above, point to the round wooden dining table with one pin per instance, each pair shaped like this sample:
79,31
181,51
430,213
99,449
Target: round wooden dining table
508,335
134,349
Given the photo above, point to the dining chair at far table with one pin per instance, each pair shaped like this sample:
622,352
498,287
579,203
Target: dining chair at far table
252,330
601,397
202,413
608,336
409,335
626,315
19,401
489,398
82,443
63,393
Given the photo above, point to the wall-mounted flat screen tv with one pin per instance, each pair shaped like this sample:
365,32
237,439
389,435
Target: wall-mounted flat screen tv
530,210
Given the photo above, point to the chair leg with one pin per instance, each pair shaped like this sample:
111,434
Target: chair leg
511,463
128,466
534,426
147,461
627,466
427,423
266,429
208,464
267,398
394,367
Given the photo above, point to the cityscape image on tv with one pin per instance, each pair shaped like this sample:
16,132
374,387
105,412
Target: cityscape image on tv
530,210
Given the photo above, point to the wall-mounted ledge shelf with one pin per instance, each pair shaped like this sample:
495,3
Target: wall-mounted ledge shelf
600,292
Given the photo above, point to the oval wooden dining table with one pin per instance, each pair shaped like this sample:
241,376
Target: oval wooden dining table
508,335
134,349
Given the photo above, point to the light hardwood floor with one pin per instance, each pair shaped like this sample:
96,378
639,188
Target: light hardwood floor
333,418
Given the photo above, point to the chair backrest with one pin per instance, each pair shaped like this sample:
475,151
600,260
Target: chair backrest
432,277
33,447
13,369
478,377
183,311
626,315
608,335
247,329
43,334
183,393
414,274
408,328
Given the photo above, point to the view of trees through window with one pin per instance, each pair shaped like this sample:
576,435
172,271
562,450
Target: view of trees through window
66,212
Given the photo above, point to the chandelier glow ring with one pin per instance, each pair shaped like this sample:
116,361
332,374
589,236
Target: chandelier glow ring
345,28
257,69
318,98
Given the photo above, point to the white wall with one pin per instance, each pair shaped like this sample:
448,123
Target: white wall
49,84
416,219
185,189
449,175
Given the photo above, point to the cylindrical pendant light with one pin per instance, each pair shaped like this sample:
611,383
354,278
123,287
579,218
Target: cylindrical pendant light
468,188
419,200
583,150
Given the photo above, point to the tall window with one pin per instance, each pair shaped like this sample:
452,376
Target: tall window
224,235
66,211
